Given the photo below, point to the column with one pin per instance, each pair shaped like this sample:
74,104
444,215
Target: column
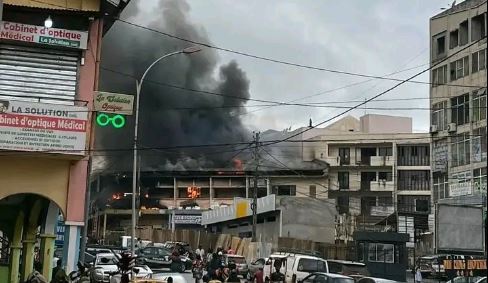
71,246
104,231
47,249
247,187
211,193
175,193
28,255
15,249
268,187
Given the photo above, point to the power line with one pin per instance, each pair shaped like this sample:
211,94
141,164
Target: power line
383,92
279,61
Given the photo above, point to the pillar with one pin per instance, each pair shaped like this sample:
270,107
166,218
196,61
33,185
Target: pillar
47,249
71,246
16,248
211,191
29,240
104,231
268,187
247,187
175,193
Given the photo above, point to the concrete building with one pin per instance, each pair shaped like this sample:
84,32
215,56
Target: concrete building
458,120
48,74
165,194
376,170
278,216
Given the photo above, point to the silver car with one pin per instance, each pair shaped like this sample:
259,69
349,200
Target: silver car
240,262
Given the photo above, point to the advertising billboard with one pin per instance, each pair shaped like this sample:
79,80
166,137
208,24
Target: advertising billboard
52,128
43,35
460,228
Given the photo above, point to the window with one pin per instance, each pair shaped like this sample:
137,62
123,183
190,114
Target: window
413,204
463,33
311,265
460,109
478,61
459,68
344,154
385,151
460,151
386,176
479,181
441,187
378,252
343,204
453,39
416,155
439,45
479,105
478,143
343,180
414,180
312,191
285,190
478,27
439,76
439,115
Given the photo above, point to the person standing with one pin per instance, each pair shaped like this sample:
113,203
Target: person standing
418,275
259,276
200,251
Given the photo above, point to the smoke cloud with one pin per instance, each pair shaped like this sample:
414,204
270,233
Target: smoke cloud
128,49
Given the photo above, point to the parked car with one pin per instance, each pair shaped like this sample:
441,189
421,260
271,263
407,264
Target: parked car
295,266
348,268
462,279
374,280
240,262
481,280
105,264
323,277
159,257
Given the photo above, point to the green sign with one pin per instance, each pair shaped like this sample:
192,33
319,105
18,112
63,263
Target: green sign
117,121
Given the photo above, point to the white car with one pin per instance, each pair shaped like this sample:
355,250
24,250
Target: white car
105,264
177,277
322,277
375,280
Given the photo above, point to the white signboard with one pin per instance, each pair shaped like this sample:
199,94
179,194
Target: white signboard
440,153
43,35
29,126
114,103
460,189
382,210
187,219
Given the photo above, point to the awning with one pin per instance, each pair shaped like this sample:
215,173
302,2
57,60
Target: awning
71,5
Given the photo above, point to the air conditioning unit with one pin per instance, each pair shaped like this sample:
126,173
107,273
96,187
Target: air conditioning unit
451,127
433,129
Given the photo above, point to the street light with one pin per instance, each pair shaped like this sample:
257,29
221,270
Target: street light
188,50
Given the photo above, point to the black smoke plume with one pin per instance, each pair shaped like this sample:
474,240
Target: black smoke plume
128,49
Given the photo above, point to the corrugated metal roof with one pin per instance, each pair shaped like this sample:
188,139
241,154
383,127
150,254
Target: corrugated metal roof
71,5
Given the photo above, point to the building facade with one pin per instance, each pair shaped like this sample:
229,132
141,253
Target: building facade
458,104
379,174
49,56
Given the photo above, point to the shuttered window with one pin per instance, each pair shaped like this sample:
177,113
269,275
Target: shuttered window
38,74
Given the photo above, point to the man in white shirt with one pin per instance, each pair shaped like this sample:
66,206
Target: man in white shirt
200,251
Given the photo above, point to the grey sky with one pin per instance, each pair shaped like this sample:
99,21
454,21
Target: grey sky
372,37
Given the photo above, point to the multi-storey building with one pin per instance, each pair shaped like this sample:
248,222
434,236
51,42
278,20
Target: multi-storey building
458,98
49,59
379,171
458,102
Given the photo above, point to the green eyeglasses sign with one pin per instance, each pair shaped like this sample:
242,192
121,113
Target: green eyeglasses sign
117,121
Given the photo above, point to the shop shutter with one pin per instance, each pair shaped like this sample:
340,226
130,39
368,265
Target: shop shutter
38,74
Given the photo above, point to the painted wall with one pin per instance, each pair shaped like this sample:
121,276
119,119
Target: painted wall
42,176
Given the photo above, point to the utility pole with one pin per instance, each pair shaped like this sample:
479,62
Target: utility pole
254,205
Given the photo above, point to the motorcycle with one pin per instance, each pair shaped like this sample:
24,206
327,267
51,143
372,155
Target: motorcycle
197,271
86,274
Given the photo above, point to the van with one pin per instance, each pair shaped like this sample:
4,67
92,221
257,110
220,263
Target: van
296,267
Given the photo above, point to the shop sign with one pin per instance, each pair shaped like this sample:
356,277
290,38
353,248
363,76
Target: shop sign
114,103
43,35
460,189
30,126
440,153
465,267
187,219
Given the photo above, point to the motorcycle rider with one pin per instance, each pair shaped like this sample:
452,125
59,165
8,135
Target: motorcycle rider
233,272
59,275
197,268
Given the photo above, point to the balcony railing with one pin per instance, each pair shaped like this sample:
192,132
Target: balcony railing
381,186
381,160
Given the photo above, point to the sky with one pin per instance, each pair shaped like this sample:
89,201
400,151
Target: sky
368,37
